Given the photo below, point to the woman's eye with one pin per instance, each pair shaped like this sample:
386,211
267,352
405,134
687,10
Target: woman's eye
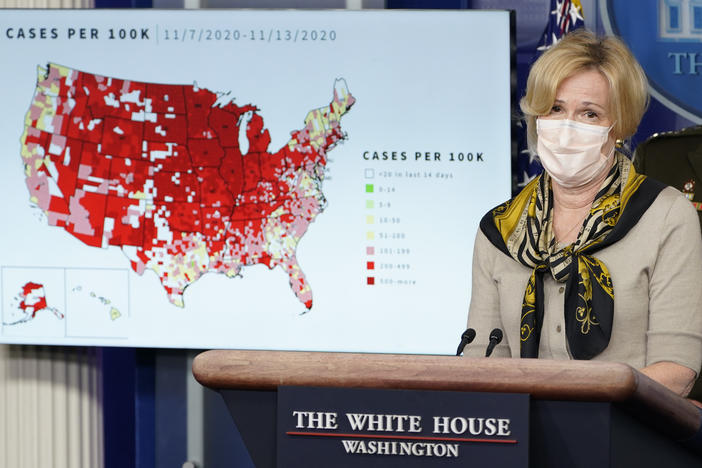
591,115
555,109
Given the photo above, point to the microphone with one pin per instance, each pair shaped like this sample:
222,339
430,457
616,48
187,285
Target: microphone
495,338
466,338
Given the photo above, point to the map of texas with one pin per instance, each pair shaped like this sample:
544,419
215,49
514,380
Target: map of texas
177,176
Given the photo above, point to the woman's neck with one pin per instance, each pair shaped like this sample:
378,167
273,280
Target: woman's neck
577,198
571,206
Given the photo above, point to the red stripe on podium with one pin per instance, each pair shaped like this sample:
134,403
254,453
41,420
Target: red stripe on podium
386,436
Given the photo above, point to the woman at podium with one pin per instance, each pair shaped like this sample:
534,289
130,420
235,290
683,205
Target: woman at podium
591,260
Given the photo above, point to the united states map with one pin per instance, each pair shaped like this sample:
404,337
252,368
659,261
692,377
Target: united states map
177,176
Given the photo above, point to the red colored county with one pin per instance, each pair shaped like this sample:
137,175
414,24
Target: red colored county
30,300
179,177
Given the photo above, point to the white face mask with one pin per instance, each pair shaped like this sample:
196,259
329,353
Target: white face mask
571,152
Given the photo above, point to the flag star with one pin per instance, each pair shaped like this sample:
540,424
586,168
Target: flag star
526,178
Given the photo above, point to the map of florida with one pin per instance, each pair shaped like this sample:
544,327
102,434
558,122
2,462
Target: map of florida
177,176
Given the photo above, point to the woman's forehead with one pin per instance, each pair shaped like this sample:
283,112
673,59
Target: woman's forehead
588,86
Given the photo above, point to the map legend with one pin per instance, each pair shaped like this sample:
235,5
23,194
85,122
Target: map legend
392,211
370,235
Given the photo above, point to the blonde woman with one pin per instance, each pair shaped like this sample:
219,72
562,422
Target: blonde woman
591,260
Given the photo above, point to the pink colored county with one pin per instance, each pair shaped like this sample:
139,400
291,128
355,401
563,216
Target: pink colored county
177,177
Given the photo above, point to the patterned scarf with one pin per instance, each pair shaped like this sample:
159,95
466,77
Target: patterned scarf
522,228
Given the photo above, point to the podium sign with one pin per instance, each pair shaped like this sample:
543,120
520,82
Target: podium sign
347,427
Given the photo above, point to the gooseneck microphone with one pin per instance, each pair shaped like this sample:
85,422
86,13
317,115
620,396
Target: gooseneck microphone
466,338
495,338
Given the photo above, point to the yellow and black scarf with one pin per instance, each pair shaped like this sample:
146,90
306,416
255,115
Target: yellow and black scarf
522,228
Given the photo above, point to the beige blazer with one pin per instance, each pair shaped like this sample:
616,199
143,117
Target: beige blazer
656,271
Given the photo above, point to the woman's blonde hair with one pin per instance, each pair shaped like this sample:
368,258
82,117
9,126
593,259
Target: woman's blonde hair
582,50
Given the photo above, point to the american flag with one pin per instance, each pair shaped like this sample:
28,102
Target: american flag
564,16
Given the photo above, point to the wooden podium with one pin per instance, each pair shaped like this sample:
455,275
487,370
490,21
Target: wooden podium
582,413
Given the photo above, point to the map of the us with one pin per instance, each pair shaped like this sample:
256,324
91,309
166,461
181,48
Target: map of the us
177,176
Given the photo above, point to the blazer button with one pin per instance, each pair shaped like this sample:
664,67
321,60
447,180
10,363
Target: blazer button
561,289
558,328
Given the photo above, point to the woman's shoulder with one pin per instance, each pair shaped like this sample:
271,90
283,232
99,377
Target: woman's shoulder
672,203
672,211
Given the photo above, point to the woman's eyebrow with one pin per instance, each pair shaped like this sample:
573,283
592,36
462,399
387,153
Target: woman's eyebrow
582,104
590,103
